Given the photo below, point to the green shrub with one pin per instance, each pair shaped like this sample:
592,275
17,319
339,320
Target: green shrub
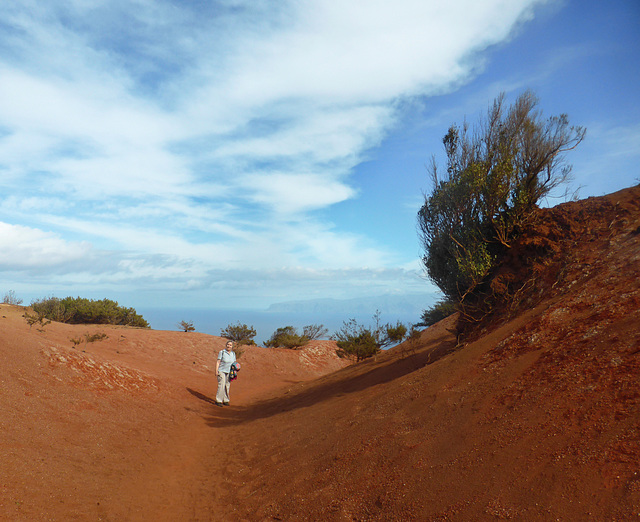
394,334
239,333
362,342
87,311
442,309
356,340
494,179
288,336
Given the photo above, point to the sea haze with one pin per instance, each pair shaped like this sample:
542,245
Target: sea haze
331,313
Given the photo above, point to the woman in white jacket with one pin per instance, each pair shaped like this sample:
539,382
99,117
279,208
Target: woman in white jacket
226,358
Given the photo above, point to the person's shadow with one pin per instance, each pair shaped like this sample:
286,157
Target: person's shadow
201,396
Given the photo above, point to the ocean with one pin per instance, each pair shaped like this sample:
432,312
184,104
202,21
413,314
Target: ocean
265,322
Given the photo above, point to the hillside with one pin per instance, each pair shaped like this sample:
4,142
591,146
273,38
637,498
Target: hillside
535,417
80,425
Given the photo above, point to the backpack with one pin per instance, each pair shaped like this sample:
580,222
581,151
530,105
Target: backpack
233,372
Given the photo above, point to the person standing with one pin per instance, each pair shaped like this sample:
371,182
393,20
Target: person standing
226,358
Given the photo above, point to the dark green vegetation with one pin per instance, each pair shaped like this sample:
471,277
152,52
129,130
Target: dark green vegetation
440,310
240,334
495,177
87,311
354,339
288,336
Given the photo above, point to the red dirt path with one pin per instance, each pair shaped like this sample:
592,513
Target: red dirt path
537,419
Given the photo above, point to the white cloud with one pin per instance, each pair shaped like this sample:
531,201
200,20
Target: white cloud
291,193
365,51
209,133
315,136
611,149
28,248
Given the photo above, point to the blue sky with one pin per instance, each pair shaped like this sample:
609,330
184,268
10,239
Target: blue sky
240,153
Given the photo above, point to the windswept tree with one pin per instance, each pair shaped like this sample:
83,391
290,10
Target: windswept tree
495,177
186,326
314,331
240,333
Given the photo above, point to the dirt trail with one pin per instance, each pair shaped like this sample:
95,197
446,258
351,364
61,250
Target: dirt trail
123,428
178,482
185,478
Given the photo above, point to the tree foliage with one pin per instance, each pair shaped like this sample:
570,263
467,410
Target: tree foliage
288,336
440,310
314,331
362,342
186,326
78,310
240,333
495,177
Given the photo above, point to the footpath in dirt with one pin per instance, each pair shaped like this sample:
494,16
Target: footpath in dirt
119,429
535,416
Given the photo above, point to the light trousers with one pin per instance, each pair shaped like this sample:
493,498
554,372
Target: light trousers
222,397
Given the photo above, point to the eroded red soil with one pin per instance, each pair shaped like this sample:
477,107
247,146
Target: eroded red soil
537,419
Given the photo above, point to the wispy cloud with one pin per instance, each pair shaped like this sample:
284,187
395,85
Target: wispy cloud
209,134
613,150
